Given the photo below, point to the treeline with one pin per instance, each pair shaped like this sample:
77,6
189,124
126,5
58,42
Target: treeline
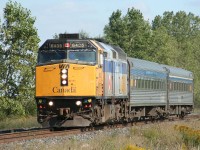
18,49
171,39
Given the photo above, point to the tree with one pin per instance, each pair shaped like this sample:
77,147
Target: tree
171,39
115,30
131,32
82,34
163,48
184,31
18,47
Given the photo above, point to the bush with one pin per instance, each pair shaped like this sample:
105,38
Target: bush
16,107
190,136
10,107
30,107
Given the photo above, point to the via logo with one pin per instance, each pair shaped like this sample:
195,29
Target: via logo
64,66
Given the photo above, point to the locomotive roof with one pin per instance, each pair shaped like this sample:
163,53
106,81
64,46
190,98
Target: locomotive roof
109,48
173,71
145,65
148,65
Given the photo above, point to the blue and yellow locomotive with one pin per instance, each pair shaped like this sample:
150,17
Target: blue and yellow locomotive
82,82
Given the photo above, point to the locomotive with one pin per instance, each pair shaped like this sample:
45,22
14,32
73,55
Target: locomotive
84,82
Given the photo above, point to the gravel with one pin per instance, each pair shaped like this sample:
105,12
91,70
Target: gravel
47,143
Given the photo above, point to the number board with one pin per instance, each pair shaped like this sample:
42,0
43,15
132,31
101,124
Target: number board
78,45
49,46
59,45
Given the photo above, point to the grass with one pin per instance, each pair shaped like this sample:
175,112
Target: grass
157,136
16,123
190,136
160,136
197,110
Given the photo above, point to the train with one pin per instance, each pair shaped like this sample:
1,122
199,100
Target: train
88,82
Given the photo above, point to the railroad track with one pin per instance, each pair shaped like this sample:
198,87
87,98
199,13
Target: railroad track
33,134
43,133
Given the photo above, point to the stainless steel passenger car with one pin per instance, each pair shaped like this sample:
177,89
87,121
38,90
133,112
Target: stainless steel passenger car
157,88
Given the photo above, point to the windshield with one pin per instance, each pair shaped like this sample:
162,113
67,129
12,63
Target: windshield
46,56
82,55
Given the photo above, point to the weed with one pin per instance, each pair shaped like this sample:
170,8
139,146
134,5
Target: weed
133,147
134,131
23,122
151,134
190,136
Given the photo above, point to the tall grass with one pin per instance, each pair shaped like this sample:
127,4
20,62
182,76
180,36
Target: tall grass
159,136
197,109
190,136
15,123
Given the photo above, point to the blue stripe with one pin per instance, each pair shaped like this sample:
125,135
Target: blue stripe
107,66
148,73
111,66
124,68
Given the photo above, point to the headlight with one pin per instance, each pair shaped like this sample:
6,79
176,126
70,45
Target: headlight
78,103
64,71
64,82
64,76
50,103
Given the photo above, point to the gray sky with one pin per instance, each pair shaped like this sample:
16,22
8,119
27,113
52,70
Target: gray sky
58,16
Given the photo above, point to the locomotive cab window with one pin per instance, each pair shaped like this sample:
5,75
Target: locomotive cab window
46,56
82,55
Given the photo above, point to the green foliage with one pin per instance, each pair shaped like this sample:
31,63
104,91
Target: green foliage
181,48
131,32
163,48
83,34
56,36
18,48
171,39
190,136
18,122
10,107
151,134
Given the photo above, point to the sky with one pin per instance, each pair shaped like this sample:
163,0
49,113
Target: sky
91,16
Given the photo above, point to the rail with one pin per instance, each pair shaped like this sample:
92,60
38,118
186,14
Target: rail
38,133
